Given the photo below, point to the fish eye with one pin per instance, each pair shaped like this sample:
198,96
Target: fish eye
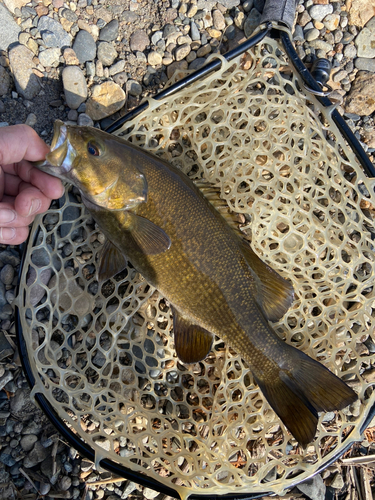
93,149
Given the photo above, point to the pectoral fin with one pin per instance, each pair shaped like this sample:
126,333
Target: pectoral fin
192,343
111,261
274,294
149,237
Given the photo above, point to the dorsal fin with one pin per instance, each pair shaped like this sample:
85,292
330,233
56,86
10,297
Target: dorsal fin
274,293
212,194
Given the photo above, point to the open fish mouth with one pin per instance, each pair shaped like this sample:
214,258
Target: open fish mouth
60,159
60,134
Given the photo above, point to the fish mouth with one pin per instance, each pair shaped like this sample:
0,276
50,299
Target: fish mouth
60,159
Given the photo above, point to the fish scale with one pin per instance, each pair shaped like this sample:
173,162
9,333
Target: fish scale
156,217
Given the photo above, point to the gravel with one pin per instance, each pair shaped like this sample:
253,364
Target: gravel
73,61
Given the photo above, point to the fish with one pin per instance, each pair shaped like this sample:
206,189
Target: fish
175,234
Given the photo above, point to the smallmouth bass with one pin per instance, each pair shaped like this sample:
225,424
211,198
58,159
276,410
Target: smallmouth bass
168,227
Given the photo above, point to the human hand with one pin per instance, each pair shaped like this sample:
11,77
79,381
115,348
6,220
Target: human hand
24,190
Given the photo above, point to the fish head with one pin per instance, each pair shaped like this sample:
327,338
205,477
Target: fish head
98,164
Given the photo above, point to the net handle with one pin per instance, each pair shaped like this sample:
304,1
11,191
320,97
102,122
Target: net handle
280,11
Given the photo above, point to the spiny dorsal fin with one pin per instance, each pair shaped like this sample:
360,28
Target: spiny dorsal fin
192,342
111,261
274,294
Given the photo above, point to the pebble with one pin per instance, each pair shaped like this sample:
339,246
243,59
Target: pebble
105,100
365,41
182,51
110,31
321,45
84,120
9,29
360,99
21,62
149,493
350,51
331,21
312,34
65,483
7,274
36,455
319,12
133,88
106,53
27,442
154,58
53,33
70,57
364,63
84,46
31,120
75,87
50,57
5,81
139,40
251,23
120,78
218,20
337,482
314,488
117,67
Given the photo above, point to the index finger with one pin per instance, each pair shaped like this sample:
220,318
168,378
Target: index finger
19,142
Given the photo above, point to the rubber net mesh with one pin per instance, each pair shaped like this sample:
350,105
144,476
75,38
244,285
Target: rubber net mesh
103,355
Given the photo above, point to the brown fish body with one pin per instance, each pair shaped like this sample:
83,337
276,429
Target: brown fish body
157,218
203,273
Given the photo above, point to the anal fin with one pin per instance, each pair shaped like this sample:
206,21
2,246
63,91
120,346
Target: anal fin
192,342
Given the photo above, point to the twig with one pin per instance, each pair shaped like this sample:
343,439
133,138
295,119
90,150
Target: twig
53,453
29,479
353,471
107,481
365,477
368,459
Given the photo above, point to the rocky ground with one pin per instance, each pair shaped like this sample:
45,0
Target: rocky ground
112,53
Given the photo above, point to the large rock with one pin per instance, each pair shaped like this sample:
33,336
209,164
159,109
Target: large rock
365,41
9,29
15,4
21,63
106,99
75,87
361,11
313,488
53,33
361,98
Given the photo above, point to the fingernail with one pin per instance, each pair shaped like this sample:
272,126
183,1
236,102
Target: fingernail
35,206
7,233
7,215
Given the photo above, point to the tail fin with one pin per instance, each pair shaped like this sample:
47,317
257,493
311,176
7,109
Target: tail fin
298,394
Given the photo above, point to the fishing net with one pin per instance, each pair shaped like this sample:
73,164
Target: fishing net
103,356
